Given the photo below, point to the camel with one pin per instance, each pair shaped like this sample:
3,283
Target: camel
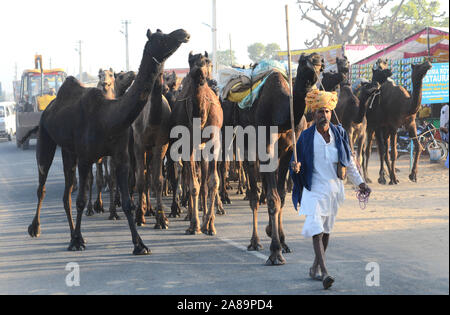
113,85
198,100
393,108
332,80
150,145
272,109
87,126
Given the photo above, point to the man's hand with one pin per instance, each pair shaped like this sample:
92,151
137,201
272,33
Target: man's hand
364,189
443,129
296,166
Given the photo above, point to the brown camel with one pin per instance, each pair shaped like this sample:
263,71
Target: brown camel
272,109
198,100
393,108
150,145
88,126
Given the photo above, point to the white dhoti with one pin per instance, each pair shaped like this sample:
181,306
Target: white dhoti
321,203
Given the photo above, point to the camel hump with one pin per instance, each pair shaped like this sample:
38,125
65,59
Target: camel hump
70,88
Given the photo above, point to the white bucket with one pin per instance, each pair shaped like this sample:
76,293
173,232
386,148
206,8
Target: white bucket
435,155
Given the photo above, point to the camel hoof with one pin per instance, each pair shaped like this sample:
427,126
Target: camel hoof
220,212
210,232
98,207
77,244
286,249
34,230
193,232
275,260
187,218
368,180
413,178
255,246
382,181
114,216
162,225
141,250
89,211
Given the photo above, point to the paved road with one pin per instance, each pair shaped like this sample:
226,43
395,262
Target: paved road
200,264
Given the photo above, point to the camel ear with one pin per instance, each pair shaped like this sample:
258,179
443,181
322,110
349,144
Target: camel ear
100,70
206,54
149,34
111,69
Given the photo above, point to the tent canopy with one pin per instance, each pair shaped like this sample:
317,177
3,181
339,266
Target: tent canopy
433,39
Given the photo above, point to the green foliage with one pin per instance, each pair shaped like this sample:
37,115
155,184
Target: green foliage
224,57
412,16
258,52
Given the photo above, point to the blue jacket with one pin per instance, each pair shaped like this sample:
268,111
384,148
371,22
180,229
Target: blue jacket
305,155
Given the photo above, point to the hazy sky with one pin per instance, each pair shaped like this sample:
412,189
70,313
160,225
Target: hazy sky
52,29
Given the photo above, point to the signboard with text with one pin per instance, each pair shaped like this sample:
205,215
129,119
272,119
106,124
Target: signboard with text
435,84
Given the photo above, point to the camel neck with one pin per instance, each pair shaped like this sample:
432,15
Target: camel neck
134,100
301,88
416,95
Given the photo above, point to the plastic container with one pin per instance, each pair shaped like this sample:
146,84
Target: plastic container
435,155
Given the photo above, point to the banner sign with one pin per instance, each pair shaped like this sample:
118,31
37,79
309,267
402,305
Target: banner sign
435,84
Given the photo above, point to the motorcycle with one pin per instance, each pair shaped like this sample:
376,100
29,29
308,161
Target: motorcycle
426,134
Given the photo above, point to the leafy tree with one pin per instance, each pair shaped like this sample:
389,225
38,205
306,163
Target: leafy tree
224,58
258,52
363,21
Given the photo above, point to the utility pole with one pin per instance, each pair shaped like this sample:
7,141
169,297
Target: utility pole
126,22
79,52
231,53
214,38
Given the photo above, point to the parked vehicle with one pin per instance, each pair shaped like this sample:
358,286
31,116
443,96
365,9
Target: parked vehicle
426,134
7,120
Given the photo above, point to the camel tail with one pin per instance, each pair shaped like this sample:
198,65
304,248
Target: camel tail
28,134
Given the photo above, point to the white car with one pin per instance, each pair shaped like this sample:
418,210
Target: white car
7,120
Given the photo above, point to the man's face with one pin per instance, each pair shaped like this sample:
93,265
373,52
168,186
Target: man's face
322,117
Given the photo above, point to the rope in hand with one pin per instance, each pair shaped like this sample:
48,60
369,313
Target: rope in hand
363,198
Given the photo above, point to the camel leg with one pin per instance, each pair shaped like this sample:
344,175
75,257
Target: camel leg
69,163
379,135
157,159
90,182
107,173
77,242
174,172
45,151
251,168
194,189
213,186
394,154
98,204
274,208
204,188
122,171
140,184
281,187
412,130
367,155
112,187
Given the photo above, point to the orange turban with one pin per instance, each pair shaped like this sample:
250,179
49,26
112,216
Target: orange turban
318,99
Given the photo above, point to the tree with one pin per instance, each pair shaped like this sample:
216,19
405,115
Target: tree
224,57
406,19
363,21
258,52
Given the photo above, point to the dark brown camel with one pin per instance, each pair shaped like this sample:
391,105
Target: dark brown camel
272,109
198,100
332,80
87,126
393,108
151,141
113,85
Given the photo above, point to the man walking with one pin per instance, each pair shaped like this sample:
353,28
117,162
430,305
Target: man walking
324,155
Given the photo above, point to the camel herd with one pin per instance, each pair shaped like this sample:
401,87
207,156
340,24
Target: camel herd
124,126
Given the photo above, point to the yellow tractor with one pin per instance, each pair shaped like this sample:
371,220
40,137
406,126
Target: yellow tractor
38,87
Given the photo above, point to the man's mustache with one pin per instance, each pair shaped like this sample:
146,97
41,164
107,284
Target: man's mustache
323,121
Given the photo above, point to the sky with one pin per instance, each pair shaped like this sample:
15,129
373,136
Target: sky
53,28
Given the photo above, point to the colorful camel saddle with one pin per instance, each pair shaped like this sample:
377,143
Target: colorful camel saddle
242,86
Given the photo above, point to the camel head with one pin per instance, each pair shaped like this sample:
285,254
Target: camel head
380,64
419,71
123,81
310,67
343,65
106,80
161,46
370,87
200,68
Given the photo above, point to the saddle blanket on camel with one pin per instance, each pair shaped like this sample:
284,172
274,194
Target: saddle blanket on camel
242,86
